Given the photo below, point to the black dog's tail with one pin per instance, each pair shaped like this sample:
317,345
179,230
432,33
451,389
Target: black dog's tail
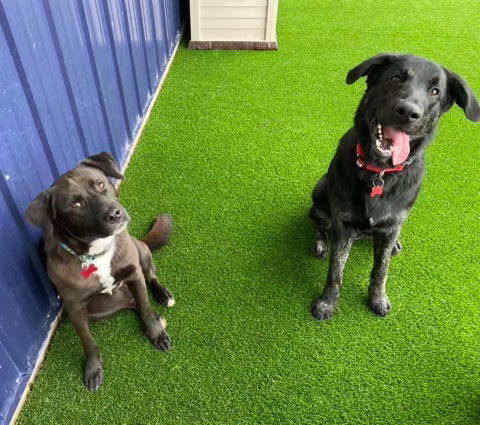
159,234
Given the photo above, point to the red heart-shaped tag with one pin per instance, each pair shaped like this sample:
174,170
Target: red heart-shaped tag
376,191
86,273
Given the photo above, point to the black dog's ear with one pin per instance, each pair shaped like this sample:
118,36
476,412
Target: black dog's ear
366,67
105,162
38,212
460,93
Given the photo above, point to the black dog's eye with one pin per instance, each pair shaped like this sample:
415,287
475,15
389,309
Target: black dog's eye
100,185
434,91
76,204
396,79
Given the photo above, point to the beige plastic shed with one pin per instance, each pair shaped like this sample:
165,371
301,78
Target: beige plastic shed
233,24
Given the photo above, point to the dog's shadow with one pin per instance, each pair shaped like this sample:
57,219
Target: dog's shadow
292,262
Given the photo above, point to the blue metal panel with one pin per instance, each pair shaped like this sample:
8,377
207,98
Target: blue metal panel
144,6
65,30
37,54
77,77
159,32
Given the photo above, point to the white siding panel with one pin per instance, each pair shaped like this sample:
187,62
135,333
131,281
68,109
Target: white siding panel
233,3
233,24
233,12
233,35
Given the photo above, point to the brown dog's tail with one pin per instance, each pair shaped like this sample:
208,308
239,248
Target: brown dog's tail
159,234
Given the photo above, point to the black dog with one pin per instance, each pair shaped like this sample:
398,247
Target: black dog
376,174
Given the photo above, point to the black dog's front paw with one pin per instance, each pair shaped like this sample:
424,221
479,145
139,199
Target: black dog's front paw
380,305
93,374
322,310
320,249
397,247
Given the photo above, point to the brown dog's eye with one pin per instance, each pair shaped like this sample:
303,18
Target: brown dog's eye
100,185
76,204
396,79
434,91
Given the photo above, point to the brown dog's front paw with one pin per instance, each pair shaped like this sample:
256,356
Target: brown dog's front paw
322,310
93,374
162,341
158,335
380,305
162,320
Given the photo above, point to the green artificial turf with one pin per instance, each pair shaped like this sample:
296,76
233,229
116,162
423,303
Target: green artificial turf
232,150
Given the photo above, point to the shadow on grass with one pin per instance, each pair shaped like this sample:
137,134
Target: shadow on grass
291,259
292,265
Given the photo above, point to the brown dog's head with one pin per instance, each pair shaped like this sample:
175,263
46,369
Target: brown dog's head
82,204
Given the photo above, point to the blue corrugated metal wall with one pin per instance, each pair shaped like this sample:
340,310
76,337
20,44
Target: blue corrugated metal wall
76,78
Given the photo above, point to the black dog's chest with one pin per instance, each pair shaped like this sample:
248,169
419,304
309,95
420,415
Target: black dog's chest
367,221
367,214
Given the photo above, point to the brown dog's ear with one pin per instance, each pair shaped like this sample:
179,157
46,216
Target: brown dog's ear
460,93
105,162
365,68
38,212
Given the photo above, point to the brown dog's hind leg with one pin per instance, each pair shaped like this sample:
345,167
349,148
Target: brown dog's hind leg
161,294
101,306
154,327
104,305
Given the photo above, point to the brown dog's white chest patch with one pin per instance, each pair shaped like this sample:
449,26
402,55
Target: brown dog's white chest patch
104,249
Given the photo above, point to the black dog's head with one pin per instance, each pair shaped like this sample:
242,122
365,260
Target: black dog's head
405,96
82,204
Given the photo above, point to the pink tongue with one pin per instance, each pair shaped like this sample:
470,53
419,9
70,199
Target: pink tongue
401,143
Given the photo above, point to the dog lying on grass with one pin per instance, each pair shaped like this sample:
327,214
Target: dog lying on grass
376,173
96,266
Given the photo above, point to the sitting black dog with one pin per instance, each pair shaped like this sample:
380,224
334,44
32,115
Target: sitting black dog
376,174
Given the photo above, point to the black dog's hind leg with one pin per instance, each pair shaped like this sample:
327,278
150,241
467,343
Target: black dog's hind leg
320,215
383,246
341,243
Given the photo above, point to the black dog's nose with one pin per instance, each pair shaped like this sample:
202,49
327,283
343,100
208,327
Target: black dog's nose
409,111
114,215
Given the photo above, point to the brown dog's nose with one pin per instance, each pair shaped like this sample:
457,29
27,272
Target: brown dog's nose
408,111
114,215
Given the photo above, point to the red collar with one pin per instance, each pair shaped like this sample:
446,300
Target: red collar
361,164
377,181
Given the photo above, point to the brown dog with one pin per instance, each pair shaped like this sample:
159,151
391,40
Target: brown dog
96,266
